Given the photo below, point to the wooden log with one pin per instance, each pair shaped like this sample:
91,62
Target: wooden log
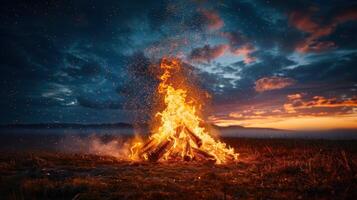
175,156
148,146
148,143
194,137
160,150
204,154
179,129
146,151
188,153
230,157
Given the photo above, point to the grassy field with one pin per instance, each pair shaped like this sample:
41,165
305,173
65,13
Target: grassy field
267,169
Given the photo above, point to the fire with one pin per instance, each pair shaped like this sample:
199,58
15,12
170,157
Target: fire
180,134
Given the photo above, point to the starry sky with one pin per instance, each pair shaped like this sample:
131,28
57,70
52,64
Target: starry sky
278,64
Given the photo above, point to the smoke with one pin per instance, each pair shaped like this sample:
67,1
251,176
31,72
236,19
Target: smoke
113,148
102,145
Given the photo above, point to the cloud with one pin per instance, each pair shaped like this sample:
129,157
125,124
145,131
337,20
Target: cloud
235,39
296,102
245,51
294,96
273,83
240,46
346,15
97,104
313,42
89,69
329,68
208,53
303,22
213,20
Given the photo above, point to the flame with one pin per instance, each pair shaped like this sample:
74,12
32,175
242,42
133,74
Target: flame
180,135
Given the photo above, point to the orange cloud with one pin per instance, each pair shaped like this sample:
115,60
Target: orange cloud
294,96
239,46
318,102
214,21
303,22
245,51
208,53
273,83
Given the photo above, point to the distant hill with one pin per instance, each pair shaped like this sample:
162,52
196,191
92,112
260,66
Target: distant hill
229,131
239,131
237,127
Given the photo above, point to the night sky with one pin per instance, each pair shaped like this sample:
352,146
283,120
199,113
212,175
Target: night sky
277,64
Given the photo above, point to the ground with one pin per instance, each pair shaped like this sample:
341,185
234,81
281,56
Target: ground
266,169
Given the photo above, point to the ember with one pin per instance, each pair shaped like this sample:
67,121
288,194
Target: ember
180,134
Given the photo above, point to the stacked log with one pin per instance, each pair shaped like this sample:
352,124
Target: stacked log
179,129
147,147
188,152
154,150
194,137
162,148
203,154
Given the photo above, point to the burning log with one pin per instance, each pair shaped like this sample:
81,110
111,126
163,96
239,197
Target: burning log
179,129
230,157
194,137
148,146
160,150
203,154
188,152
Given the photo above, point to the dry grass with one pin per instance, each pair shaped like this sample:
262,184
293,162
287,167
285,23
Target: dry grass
268,169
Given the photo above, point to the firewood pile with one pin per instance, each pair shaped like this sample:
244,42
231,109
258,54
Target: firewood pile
183,145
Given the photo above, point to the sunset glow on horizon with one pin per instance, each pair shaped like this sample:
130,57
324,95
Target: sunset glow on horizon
295,123
298,111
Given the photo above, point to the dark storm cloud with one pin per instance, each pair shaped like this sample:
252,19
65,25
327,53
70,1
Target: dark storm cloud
20,57
314,41
268,25
256,22
270,65
334,68
73,20
61,57
183,16
85,69
97,104
207,53
64,43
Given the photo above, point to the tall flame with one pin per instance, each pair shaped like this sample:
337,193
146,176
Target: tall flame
180,135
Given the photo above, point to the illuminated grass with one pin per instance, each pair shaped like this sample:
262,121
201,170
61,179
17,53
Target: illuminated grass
275,169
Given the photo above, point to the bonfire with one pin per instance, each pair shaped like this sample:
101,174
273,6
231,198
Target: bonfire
180,135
